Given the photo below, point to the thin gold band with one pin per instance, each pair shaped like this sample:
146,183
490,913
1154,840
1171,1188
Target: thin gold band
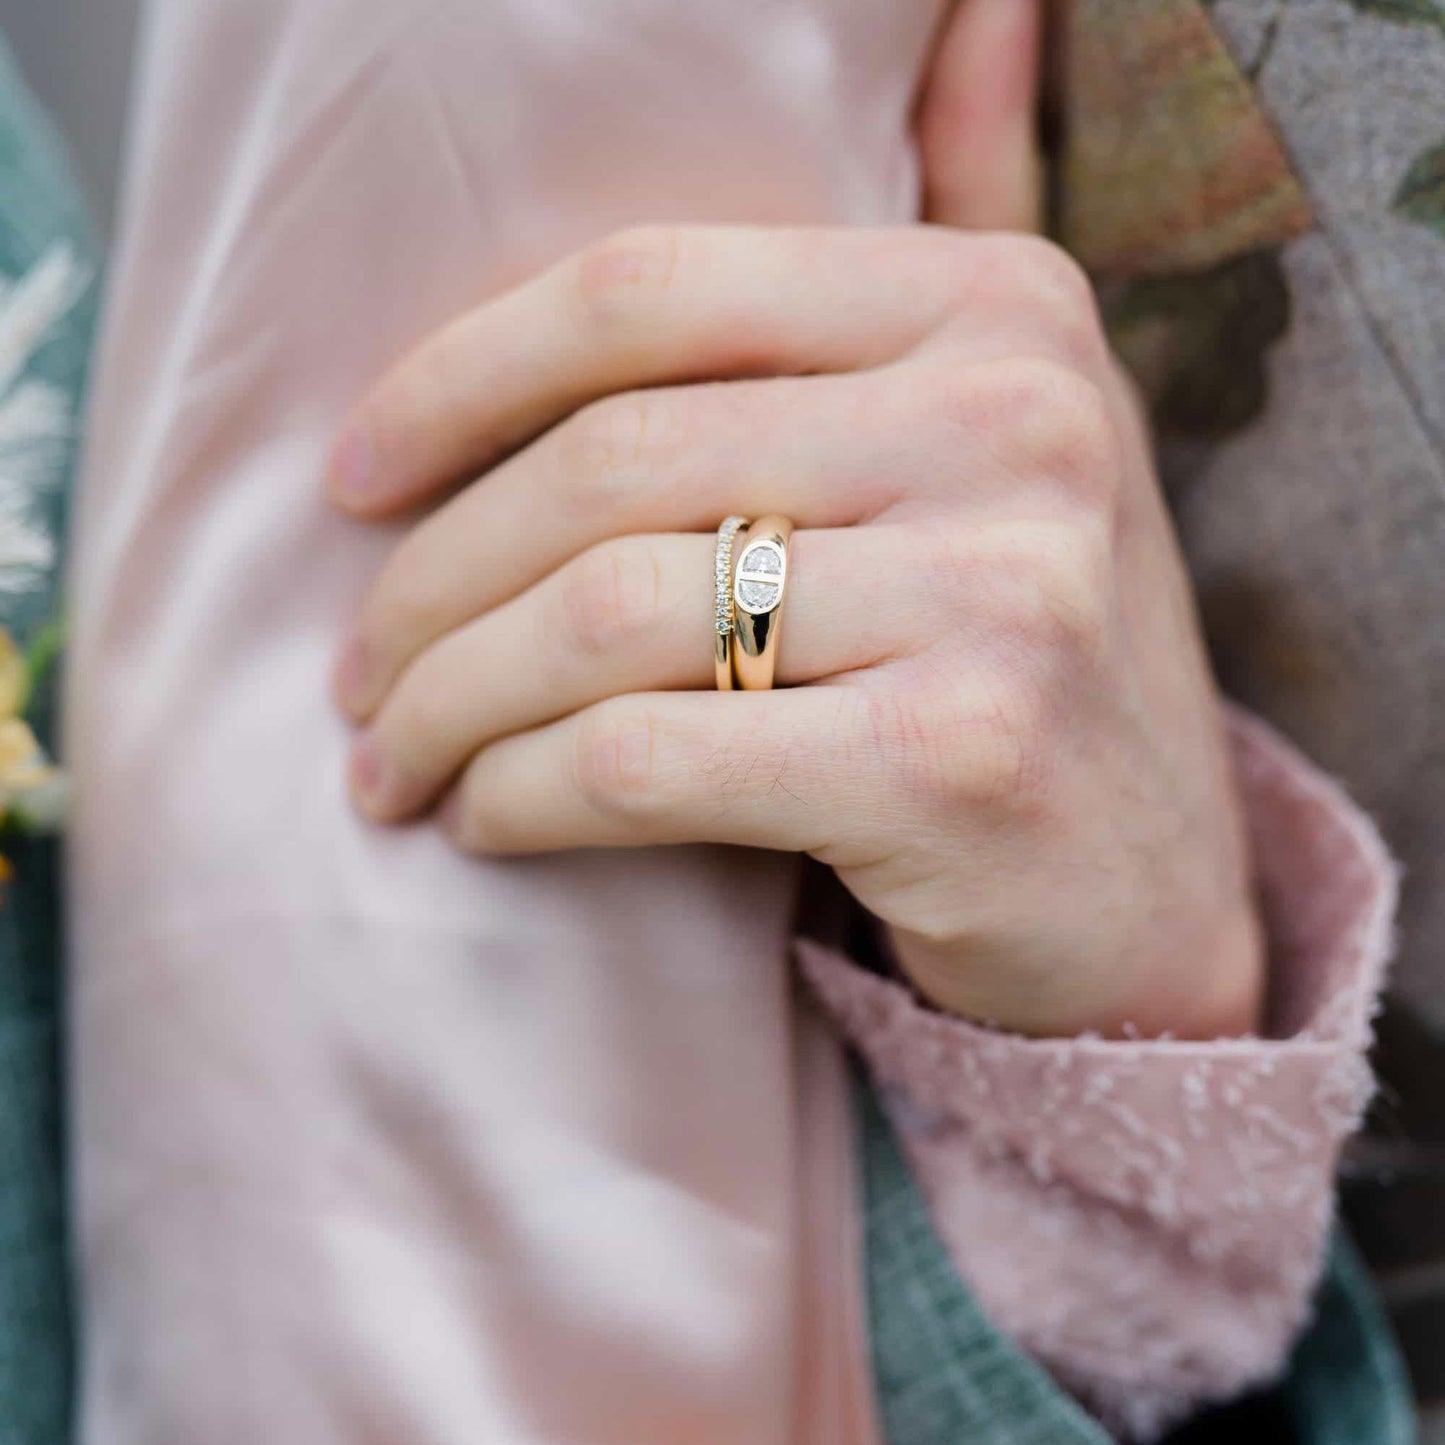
760,585
722,654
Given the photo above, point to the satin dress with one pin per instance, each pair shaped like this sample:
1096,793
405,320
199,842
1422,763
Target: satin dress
373,1142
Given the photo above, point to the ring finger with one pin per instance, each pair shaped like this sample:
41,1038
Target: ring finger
634,614
674,459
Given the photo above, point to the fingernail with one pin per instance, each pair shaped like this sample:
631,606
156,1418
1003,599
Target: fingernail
352,471
351,675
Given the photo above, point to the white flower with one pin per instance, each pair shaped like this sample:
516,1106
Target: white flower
35,418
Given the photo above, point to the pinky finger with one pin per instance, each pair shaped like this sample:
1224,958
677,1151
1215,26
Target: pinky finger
761,769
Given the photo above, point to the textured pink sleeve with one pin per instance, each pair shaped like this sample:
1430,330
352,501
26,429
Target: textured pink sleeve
1148,1218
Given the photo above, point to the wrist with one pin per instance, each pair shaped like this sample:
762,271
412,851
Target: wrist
1202,982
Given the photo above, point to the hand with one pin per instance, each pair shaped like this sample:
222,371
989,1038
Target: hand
1003,733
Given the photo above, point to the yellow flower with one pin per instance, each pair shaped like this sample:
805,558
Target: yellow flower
14,677
23,764
32,790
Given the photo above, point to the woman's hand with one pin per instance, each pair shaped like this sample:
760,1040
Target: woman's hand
1002,731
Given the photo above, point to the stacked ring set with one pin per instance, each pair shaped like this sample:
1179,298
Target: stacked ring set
750,580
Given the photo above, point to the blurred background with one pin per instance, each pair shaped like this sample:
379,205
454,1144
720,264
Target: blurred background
76,55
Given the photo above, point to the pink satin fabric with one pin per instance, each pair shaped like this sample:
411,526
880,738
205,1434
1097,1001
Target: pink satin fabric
373,1143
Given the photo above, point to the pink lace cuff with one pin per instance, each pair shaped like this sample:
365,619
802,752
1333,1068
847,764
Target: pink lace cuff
1148,1218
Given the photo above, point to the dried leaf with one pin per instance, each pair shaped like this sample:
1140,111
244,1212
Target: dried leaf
1170,164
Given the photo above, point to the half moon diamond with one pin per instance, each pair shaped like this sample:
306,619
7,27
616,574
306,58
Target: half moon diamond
759,579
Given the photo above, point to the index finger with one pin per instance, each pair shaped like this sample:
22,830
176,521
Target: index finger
647,307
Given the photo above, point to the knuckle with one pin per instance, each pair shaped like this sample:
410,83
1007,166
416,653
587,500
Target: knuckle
1009,764
433,381
627,271
1045,594
607,453
614,760
1074,570
984,746
1046,585
1040,589
611,596
1038,276
1052,594
1082,442
413,597
1060,428
1054,273
980,750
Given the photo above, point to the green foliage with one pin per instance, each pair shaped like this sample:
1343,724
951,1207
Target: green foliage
1421,196
1405,12
41,658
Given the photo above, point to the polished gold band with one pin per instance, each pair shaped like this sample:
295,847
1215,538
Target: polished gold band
760,583
722,655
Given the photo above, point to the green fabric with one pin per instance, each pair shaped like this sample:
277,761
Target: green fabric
945,1376
1347,1384
40,216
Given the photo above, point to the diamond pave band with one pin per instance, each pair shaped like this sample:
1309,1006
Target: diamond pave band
723,568
723,603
